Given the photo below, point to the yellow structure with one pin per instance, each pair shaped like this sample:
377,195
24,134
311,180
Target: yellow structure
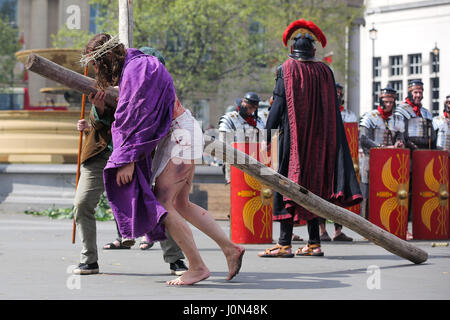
38,136
32,136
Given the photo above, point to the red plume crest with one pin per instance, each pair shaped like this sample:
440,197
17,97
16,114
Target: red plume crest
303,24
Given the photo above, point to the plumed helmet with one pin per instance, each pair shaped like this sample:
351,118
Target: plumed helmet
252,98
305,34
303,27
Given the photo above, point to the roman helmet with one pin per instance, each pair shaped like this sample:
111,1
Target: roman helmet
304,34
414,84
250,98
387,92
340,93
447,104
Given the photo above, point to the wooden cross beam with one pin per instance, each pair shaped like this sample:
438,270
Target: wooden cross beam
69,78
314,203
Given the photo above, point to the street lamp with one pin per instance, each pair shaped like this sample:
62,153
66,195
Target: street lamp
373,36
435,80
435,50
373,33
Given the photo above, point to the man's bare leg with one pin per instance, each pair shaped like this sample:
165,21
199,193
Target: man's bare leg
203,220
182,234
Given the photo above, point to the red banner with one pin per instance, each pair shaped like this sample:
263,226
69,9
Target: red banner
251,202
430,195
389,189
351,131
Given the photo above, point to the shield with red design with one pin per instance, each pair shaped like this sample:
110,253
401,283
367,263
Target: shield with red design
389,189
351,132
430,195
251,201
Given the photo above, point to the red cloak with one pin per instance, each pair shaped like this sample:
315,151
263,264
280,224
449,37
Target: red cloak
319,157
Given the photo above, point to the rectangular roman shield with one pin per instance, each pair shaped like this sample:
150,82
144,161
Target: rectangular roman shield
351,132
389,189
251,201
430,195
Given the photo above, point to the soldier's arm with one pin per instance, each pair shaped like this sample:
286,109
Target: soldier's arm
278,107
428,140
366,138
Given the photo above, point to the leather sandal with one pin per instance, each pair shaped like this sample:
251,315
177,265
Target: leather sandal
310,251
278,251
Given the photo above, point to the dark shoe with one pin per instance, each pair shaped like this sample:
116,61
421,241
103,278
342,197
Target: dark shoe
325,237
84,268
113,246
178,268
342,237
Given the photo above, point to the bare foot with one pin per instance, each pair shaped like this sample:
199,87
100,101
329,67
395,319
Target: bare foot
234,261
189,278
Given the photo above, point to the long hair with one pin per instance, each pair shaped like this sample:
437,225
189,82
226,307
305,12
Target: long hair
110,64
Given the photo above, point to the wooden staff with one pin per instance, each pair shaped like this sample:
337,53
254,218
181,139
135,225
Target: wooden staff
314,203
80,142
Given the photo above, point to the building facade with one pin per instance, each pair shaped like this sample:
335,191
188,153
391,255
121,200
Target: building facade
403,40
410,43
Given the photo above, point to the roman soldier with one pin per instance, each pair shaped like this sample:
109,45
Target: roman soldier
379,128
419,132
346,114
442,125
313,149
242,125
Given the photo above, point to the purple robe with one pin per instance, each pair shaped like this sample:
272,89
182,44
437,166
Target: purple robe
142,118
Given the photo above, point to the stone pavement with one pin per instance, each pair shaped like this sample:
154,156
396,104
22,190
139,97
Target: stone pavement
36,257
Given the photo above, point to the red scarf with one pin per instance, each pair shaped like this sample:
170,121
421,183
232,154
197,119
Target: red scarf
384,114
415,108
341,108
446,114
250,120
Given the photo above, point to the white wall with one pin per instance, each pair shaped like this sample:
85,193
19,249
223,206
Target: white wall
402,32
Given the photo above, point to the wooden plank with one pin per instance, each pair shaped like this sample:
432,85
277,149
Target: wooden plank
314,203
69,78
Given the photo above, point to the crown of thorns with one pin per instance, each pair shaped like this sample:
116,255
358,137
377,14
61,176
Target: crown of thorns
100,51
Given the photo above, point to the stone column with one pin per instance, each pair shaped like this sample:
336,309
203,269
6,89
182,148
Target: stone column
37,40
